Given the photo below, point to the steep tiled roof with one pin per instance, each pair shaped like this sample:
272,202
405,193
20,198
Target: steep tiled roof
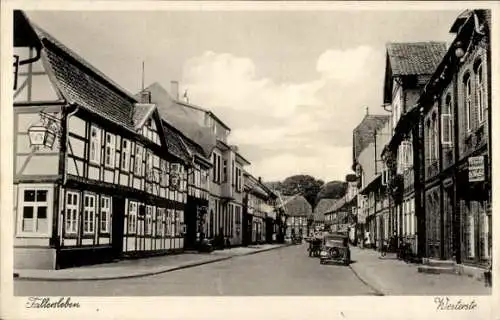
175,144
181,118
416,58
324,204
298,206
336,206
322,208
363,134
84,85
88,92
42,34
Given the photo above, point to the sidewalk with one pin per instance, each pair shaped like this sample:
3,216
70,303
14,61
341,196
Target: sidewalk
390,276
141,267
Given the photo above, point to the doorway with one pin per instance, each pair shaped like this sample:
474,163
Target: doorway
117,225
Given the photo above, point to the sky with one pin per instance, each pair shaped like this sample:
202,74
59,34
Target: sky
291,85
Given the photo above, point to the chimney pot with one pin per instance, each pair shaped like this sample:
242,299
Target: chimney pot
174,87
145,97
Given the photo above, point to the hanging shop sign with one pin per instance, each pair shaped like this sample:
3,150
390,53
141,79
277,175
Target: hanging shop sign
476,169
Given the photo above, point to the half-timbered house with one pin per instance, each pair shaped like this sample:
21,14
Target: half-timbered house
96,174
226,178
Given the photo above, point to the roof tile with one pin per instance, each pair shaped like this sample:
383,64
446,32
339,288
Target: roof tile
415,58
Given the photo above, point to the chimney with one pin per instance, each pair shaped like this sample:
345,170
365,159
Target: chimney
174,88
145,97
260,179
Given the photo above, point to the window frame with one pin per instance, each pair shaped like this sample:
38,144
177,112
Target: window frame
111,147
479,90
91,222
138,160
103,211
132,216
49,204
95,145
446,117
160,218
148,220
74,222
468,101
125,155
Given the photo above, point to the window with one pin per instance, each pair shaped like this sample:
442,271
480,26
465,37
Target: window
109,158
138,160
429,139
149,166
435,136
160,218
132,217
125,154
237,179
164,173
446,125
169,224
95,145
481,108
88,213
105,214
149,219
468,102
237,210
71,214
34,205
231,220
224,173
216,169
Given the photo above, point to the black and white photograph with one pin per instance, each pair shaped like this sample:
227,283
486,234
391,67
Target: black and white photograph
239,149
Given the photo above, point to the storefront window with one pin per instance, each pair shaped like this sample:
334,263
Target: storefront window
484,234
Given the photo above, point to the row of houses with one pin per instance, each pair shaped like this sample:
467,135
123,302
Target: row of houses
424,167
101,174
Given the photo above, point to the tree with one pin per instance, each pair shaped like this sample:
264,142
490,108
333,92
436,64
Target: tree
306,185
332,190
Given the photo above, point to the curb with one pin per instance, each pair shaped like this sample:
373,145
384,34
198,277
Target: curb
156,271
378,291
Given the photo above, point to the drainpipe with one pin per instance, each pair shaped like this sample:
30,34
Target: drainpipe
457,229
441,191
62,172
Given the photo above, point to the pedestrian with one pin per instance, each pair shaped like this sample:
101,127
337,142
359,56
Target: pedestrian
367,239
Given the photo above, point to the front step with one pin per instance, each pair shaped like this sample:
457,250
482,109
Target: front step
437,269
439,263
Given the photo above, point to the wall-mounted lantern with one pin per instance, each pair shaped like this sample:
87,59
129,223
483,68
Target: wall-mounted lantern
46,132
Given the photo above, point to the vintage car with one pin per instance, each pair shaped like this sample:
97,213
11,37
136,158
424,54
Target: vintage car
296,239
335,248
